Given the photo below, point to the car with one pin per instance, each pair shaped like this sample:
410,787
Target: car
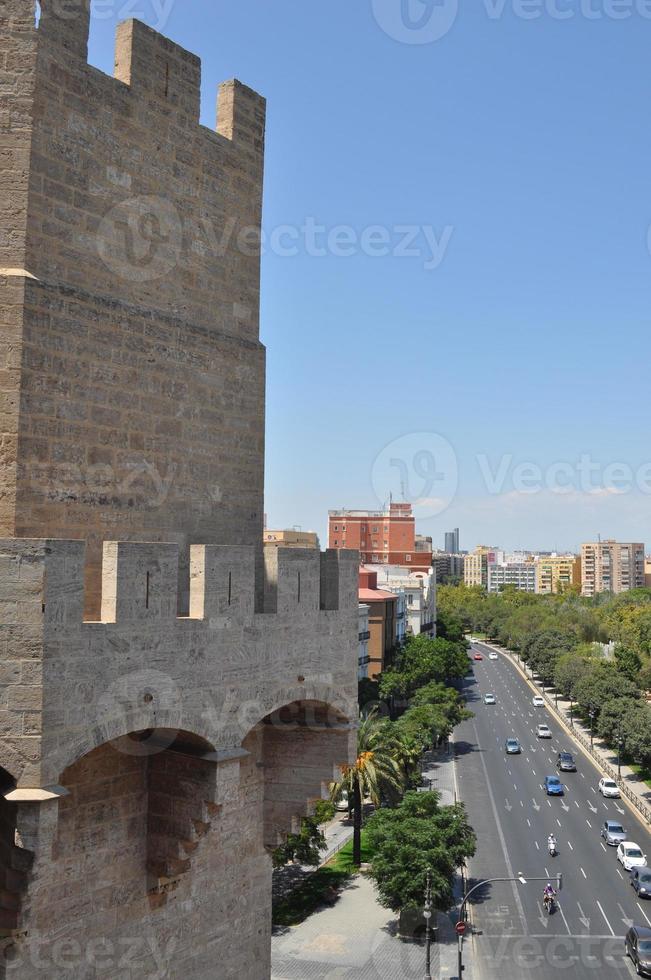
565,762
613,832
637,945
553,786
489,699
543,731
641,881
538,701
512,746
608,787
342,802
630,855
493,656
477,656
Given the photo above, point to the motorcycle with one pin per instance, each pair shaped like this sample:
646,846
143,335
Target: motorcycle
551,847
548,903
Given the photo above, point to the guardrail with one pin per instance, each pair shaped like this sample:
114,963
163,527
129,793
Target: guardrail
608,770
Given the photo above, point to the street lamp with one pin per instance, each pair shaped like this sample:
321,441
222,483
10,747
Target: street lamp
591,713
427,915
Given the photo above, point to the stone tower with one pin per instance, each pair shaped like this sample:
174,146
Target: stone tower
171,698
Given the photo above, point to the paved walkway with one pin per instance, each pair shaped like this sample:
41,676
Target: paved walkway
635,789
355,939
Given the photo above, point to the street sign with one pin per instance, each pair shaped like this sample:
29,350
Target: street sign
460,928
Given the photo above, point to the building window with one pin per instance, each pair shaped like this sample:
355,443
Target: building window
374,530
336,542
407,557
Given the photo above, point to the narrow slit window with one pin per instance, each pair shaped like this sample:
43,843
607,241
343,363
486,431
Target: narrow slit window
147,592
230,587
37,14
299,587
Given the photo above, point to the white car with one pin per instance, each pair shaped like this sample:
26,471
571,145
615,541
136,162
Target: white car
342,802
538,701
609,788
493,656
489,699
543,731
630,855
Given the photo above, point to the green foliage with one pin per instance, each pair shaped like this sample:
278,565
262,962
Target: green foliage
602,683
407,841
569,670
368,692
304,847
629,663
420,661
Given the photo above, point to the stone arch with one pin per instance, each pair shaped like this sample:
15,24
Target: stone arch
297,749
15,864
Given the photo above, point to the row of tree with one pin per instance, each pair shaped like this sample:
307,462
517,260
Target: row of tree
562,638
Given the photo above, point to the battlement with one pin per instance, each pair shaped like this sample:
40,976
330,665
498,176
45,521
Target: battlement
42,582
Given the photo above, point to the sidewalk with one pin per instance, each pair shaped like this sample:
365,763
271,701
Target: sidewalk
337,832
631,786
355,939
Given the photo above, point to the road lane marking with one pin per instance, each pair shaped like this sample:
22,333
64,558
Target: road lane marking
612,933
588,823
570,846
558,821
620,873
603,845
644,913
583,873
560,909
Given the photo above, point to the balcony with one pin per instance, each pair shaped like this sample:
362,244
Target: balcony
364,636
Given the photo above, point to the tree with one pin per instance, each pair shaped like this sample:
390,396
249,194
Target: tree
629,663
569,670
416,836
420,661
376,768
603,683
306,846
447,699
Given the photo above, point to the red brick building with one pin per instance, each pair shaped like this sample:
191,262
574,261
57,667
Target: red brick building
385,537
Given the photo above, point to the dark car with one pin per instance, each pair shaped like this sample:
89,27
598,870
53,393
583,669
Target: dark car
512,746
565,762
613,832
553,786
638,946
641,881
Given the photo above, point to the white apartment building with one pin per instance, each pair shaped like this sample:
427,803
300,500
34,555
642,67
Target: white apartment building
611,566
419,589
518,574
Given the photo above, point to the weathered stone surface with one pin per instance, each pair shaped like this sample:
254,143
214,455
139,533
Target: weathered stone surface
191,696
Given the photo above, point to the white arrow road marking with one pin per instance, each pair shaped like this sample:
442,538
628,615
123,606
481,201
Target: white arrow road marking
560,909
593,808
536,806
544,920
508,805
606,918
627,922
618,808
644,913
564,806
585,921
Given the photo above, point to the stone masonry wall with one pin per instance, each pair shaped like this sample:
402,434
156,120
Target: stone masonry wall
134,387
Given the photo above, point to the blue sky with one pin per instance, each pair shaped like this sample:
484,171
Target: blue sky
511,156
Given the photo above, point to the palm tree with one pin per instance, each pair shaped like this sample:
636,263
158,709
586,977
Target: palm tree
375,768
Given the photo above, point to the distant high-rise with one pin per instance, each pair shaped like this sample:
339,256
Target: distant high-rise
452,542
611,566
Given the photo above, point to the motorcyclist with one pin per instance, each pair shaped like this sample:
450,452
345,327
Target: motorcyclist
551,844
548,894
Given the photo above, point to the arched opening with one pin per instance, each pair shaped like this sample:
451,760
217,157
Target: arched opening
137,810
296,752
15,861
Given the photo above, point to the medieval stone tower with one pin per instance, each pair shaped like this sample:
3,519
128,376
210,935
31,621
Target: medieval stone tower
171,698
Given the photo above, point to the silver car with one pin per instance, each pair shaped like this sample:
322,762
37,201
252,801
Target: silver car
613,832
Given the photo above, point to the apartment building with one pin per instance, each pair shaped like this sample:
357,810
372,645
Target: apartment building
448,567
419,590
557,573
519,575
475,565
611,566
363,637
386,621
384,537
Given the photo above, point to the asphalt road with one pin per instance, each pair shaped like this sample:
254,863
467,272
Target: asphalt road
513,939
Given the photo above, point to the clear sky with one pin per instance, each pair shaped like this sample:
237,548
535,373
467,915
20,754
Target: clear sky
504,146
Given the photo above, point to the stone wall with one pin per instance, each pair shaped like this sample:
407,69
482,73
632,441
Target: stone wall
134,388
